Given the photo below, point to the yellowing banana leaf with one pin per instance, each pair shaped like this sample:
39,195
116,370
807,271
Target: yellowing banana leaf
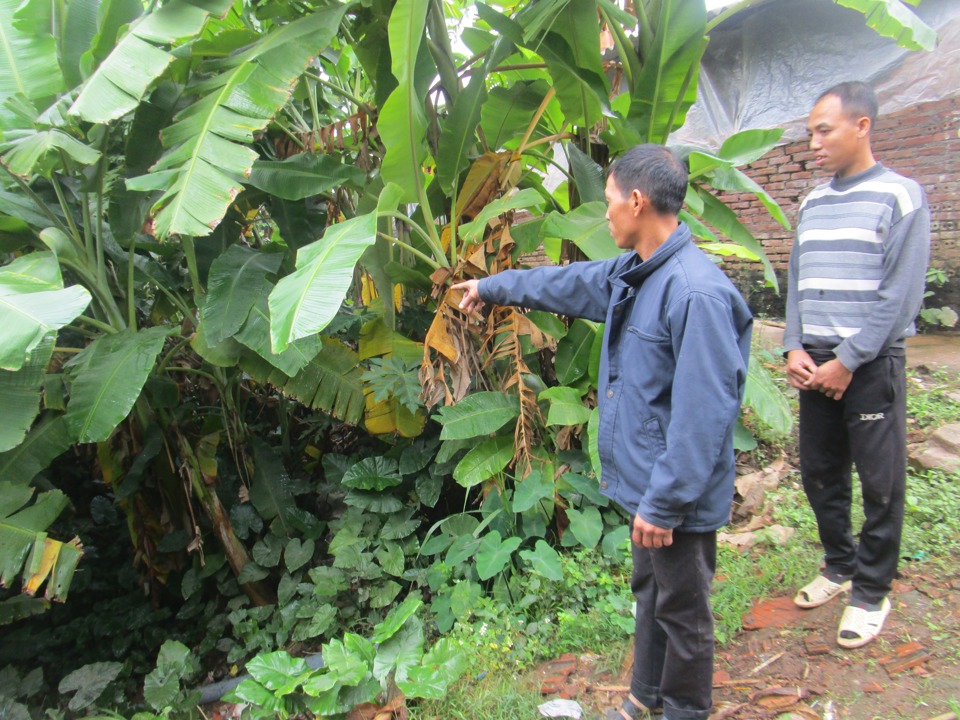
23,534
388,416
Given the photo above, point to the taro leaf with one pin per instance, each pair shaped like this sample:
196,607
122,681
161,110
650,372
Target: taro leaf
162,685
441,666
278,671
478,414
374,473
319,623
531,490
566,407
390,557
89,681
614,541
251,692
586,226
44,443
237,279
484,461
114,372
400,525
396,618
384,593
20,394
573,352
494,554
463,548
251,573
544,560
303,175
401,652
343,665
374,501
297,553
417,456
767,400
587,487
304,302
586,525
743,439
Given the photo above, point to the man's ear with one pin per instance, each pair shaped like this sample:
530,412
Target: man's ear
638,200
863,126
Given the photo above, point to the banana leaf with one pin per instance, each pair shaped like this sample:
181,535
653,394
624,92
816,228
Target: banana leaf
114,369
140,58
255,334
303,175
48,439
29,317
892,19
28,62
304,302
237,278
201,172
329,382
403,122
24,545
667,86
20,394
478,414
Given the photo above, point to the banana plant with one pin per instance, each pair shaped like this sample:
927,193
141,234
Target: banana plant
192,194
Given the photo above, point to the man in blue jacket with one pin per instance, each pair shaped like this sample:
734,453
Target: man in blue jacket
672,372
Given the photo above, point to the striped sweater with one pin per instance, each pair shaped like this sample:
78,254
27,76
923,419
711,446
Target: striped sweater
857,267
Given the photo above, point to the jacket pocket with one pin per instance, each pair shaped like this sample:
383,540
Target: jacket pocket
655,441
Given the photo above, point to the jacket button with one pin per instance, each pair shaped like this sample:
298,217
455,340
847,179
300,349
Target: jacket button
603,486
610,393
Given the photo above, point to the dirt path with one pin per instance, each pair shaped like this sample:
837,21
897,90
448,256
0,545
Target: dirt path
787,664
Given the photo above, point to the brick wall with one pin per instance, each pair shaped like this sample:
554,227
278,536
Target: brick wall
922,142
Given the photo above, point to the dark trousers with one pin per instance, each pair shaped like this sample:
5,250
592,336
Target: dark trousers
673,644
867,427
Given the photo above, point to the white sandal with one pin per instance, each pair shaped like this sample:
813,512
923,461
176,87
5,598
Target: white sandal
864,624
819,592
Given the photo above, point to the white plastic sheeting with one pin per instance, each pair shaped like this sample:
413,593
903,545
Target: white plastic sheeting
766,66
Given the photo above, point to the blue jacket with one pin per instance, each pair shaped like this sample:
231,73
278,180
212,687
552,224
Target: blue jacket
672,372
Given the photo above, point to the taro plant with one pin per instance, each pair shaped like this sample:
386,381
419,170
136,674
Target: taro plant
377,674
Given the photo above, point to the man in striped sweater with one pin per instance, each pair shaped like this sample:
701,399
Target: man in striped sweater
855,285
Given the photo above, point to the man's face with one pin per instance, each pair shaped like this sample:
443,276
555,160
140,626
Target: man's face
622,214
835,136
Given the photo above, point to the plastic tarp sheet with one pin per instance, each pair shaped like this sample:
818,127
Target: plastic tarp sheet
765,67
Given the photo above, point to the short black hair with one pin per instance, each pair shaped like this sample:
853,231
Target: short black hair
857,99
656,172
